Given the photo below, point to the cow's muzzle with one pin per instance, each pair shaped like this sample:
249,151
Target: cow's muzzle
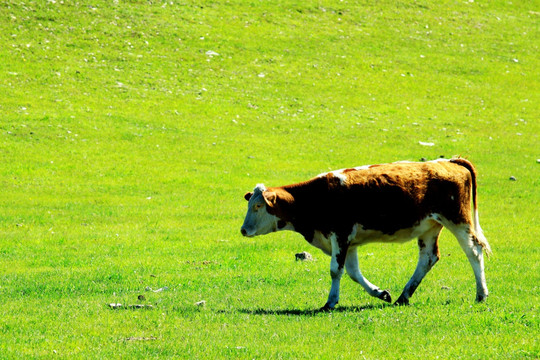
246,233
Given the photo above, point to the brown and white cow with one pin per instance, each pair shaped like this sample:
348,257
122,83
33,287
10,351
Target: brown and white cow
341,210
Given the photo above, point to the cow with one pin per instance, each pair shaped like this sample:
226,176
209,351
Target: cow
340,210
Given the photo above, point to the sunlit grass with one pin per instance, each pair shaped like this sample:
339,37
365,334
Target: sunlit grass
129,132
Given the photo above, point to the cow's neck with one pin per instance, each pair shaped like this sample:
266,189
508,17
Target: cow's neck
301,213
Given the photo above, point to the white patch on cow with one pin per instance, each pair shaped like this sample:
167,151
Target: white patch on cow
480,233
363,167
352,235
336,173
341,176
259,188
477,228
329,172
322,242
440,160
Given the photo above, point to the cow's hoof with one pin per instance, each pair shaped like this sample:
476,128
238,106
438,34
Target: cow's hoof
481,298
385,296
402,301
326,308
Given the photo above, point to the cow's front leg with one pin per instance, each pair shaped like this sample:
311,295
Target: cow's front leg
351,265
339,253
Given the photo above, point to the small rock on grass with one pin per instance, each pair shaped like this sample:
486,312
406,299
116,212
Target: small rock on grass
140,306
148,288
512,178
117,306
140,338
200,303
304,256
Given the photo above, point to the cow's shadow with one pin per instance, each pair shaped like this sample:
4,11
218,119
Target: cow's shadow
311,312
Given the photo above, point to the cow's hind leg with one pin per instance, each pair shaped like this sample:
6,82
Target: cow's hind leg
351,264
473,250
428,256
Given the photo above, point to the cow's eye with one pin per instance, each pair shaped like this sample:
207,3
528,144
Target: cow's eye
258,206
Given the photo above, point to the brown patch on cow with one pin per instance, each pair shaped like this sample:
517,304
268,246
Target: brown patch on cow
279,202
348,170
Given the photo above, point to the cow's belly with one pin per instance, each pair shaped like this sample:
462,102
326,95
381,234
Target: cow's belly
361,236
370,236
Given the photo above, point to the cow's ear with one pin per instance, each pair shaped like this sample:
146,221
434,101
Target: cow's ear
270,198
248,195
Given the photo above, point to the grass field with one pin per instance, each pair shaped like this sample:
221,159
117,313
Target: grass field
130,131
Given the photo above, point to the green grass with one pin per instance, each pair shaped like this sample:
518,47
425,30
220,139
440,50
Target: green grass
126,149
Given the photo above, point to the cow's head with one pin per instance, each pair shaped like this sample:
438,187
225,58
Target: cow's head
264,214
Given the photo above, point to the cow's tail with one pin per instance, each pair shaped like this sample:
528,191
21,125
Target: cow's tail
479,234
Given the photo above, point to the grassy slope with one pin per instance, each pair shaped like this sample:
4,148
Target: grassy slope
126,150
